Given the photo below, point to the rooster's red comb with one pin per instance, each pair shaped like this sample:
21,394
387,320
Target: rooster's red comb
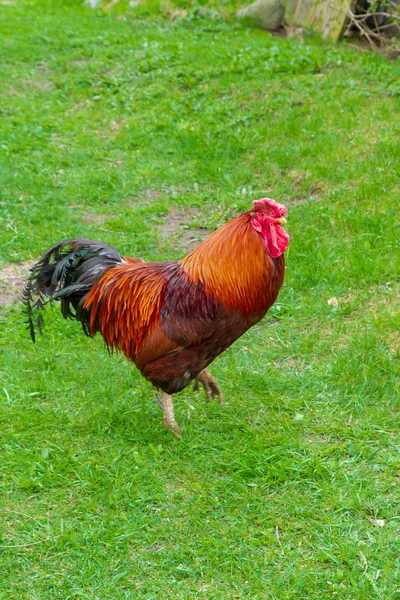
277,210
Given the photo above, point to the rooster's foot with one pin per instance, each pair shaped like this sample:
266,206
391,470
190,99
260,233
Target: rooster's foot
209,384
169,415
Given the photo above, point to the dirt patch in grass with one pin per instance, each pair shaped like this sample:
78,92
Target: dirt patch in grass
115,126
12,279
90,218
181,227
151,194
41,85
304,191
83,104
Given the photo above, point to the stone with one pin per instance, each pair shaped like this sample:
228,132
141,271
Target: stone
266,14
203,11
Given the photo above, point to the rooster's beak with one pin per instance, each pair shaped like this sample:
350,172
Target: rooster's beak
281,220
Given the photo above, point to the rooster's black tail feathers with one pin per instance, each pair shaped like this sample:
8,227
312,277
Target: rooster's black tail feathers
66,272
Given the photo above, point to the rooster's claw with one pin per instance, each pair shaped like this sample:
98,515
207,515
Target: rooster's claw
209,384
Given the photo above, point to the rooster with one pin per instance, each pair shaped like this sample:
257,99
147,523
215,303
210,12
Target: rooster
172,319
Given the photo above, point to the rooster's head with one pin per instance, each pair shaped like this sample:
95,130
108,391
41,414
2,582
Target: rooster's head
267,218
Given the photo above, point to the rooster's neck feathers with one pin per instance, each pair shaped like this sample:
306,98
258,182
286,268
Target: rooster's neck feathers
235,268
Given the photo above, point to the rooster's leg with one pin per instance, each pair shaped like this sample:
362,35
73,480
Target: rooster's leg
169,415
209,384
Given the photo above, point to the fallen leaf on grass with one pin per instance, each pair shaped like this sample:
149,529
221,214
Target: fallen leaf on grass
378,522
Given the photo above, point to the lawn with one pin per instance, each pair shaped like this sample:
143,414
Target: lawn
147,126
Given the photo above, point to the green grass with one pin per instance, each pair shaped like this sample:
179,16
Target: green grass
282,492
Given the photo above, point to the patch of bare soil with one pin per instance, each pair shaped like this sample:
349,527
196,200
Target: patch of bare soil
90,218
151,194
179,225
115,126
12,279
42,85
82,104
393,341
301,196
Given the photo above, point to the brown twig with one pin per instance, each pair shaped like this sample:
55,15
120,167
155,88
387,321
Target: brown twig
365,33
374,33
